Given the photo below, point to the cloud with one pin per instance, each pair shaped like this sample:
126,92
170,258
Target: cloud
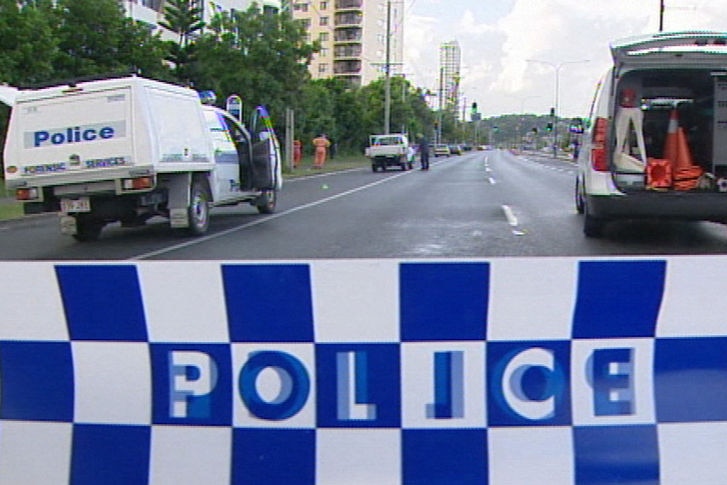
497,38
419,54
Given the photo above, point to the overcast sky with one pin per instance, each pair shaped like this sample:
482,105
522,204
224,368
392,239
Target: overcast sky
497,37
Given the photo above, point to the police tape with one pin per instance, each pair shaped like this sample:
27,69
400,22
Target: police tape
502,371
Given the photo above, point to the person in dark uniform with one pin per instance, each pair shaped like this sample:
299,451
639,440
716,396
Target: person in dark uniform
424,152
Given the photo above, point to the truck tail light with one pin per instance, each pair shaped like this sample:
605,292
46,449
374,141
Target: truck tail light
138,183
599,154
30,193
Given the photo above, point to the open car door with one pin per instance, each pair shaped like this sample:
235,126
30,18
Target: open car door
266,157
8,95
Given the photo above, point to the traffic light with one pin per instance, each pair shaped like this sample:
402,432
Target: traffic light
474,107
549,127
552,112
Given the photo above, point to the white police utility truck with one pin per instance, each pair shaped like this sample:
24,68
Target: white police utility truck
127,149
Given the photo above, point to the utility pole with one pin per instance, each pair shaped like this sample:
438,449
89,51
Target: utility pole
387,67
661,15
441,104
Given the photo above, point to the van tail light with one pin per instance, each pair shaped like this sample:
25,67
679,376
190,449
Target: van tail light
599,156
138,183
30,193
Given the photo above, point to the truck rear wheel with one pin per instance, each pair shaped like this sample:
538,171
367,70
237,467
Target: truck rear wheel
87,229
199,208
592,226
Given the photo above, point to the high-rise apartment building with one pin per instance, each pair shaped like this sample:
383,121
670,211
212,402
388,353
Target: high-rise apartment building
353,35
450,60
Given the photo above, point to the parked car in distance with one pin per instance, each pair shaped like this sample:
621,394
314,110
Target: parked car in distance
390,150
455,149
441,150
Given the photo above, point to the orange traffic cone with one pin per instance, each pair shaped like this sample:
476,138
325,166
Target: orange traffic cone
685,174
670,145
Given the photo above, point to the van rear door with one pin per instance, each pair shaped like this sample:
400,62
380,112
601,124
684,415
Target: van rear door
682,49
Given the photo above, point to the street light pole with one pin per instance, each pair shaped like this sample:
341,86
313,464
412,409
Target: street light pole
556,68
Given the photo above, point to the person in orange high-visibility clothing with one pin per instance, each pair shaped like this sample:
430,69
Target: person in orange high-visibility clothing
297,152
321,143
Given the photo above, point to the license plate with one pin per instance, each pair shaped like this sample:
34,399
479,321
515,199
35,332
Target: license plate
82,204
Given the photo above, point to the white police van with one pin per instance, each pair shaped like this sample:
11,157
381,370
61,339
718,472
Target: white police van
656,146
127,149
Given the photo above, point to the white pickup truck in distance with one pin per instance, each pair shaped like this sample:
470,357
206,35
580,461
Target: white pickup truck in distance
128,149
389,151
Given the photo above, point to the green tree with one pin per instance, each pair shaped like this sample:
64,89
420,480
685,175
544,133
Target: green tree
184,18
347,114
95,37
409,111
27,42
144,52
27,47
262,57
315,113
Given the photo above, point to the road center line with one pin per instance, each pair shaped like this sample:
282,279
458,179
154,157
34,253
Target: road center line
512,220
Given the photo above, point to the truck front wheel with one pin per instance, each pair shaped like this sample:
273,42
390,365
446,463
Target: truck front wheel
199,208
267,202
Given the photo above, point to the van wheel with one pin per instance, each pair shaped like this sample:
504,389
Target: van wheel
87,229
267,201
199,208
580,202
592,226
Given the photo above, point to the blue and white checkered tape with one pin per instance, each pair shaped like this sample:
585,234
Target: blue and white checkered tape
504,371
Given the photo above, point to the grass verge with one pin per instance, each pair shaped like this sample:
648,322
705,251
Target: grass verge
9,209
340,162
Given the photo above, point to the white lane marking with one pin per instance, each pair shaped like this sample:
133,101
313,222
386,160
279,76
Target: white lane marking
510,215
256,222
512,220
488,170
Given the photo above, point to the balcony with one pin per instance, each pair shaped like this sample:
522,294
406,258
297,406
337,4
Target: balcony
349,4
348,34
347,67
347,51
347,19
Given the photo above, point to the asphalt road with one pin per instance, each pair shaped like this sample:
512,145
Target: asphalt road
480,204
